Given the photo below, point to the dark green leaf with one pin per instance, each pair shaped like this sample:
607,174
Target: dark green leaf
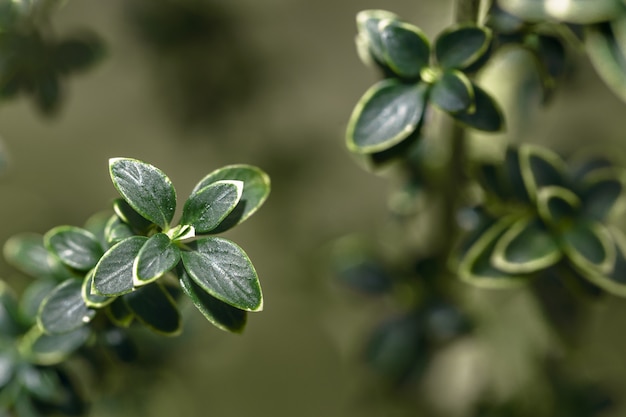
369,34
129,216
223,269
74,246
119,313
453,92
32,297
513,174
405,48
116,230
256,188
206,208
154,308
27,252
601,190
486,116
387,114
96,224
540,167
460,46
64,310
157,256
113,274
573,11
589,246
47,92
145,188
476,266
557,206
78,52
41,383
9,312
91,299
220,314
50,349
614,281
525,247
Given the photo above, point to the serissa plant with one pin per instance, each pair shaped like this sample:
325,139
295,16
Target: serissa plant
124,267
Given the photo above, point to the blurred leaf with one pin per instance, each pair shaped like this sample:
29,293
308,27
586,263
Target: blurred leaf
606,56
51,349
74,246
27,252
256,189
476,265
120,344
32,297
220,314
589,246
558,206
63,310
460,46
387,114
9,313
116,231
405,48
525,247
156,257
113,274
453,92
223,269
155,309
369,33
573,11
601,190
614,282
145,188
78,53
487,115
42,383
540,167
96,224
47,92
206,208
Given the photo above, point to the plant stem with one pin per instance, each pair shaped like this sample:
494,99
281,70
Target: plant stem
467,11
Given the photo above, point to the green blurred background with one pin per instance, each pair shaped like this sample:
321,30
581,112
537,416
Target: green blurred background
282,77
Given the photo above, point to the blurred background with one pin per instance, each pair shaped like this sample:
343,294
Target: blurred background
190,86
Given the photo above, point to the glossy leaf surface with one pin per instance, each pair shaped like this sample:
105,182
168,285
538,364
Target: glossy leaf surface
453,92
487,115
26,251
222,268
157,256
206,208
461,46
145,188
91,299
113,274
220,314
387,114
405,48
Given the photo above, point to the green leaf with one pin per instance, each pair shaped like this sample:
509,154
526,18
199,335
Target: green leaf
256,189
74,246
614,281
558,206
157,256
572,11
129,216
9,312
486,116
145,188
46,349
460,46
96,224
387,114
588,245
540,167
32,297
525,247
513,175
369,34
64,310
223,269
42,383
607,57
27,253
453,92
113,274
206,208
476,266
153,307
119,313
116,230
93,300
405,48
601,190
220,314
